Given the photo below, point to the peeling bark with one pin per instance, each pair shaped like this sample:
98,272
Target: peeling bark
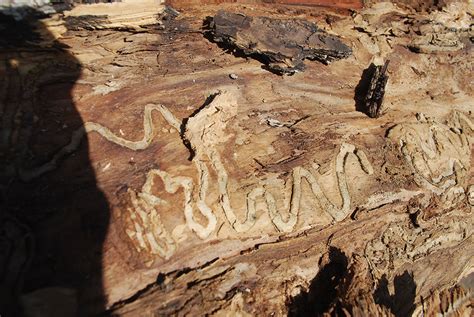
281,44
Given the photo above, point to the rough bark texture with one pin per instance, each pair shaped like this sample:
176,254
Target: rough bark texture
141,179
345,4
281,44
370,91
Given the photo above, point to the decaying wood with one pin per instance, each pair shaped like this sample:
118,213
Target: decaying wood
372,90
281,44
347,4
145,172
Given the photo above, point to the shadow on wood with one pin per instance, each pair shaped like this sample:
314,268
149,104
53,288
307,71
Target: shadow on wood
53,216
402,301
323,290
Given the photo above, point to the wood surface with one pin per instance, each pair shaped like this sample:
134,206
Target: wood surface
152,182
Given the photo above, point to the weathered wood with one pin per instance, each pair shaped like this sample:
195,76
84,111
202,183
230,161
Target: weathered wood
152,182
345,4
370,92
282,45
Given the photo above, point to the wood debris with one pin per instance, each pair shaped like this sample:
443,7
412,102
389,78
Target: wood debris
373,93
281,44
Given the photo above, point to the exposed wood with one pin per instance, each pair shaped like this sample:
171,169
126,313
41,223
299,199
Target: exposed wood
145,171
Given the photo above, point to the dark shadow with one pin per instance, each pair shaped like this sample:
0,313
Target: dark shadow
323,290
53,217
402,302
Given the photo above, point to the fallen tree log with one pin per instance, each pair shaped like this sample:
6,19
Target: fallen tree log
139,178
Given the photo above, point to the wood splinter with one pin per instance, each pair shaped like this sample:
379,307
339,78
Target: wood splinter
371,90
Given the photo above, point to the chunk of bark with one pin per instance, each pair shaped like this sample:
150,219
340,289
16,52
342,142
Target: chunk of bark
371,90
281,44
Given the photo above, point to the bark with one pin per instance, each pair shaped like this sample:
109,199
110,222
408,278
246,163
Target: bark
139,178
282,45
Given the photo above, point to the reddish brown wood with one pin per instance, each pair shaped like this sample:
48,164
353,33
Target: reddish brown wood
343,4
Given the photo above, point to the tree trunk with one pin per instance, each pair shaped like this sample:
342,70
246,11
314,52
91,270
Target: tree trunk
151,171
